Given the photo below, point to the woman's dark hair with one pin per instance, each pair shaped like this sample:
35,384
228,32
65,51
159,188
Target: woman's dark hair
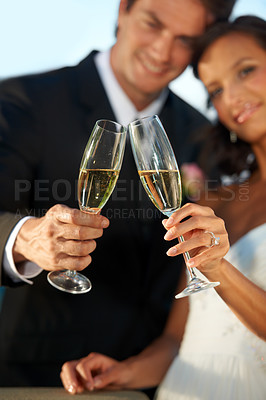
229,158
251,25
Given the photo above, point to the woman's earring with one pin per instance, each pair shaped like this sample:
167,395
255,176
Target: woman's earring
233,137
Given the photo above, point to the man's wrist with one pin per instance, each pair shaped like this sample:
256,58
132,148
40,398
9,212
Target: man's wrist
22,271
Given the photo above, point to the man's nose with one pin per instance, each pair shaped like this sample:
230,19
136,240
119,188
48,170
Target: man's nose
163,47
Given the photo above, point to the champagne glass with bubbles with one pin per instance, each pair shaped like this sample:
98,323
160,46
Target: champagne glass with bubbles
159,174
99,171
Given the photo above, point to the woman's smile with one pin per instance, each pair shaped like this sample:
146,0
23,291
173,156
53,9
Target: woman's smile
247,111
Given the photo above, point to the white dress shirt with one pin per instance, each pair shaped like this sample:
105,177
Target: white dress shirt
123,108
125,112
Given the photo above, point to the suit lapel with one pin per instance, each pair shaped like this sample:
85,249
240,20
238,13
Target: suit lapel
91,92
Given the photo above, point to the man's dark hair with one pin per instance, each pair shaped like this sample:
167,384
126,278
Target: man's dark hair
221,9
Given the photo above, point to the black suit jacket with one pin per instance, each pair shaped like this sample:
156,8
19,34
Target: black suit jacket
45,122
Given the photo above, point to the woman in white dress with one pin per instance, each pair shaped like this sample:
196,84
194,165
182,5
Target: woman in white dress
223,351
218,335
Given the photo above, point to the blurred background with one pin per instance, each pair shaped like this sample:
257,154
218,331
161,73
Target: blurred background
37,35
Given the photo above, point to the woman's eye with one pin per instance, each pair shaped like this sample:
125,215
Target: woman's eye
246,71
215,93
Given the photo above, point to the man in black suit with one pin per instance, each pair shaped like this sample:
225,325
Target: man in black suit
45,121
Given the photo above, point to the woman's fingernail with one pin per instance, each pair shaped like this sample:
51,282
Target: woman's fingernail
164,221
169,235
169,221
172,251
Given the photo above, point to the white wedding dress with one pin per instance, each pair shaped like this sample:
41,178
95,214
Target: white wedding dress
219,358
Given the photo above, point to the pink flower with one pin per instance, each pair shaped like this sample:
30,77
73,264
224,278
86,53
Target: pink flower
193,180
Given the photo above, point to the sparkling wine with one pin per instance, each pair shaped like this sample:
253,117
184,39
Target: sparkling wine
163,188
95,187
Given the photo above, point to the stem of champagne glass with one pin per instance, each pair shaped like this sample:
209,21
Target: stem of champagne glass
187,257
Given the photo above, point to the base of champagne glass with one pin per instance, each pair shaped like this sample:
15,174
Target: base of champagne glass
69,282
196,285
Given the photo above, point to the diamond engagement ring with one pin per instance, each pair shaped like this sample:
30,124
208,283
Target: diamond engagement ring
215,241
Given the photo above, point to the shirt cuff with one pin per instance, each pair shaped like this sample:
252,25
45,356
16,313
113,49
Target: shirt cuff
27,269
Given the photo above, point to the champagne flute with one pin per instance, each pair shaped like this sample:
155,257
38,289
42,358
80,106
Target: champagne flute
159,174
99,171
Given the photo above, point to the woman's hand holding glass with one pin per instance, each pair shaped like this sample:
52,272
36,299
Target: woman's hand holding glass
197,224
159,174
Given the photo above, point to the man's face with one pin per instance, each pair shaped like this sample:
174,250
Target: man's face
153,43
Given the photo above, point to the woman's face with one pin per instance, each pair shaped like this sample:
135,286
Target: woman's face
233,69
